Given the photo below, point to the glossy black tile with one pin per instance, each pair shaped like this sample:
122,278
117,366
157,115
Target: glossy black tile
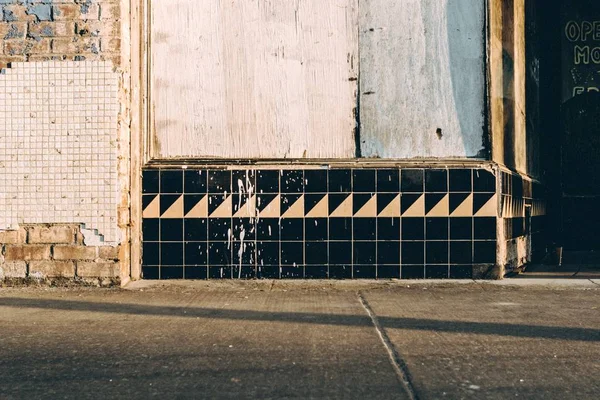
461,272
461,252
195,181
219,181
316,253
219,229
292,272
171,181
219,253
484,252
340,272
484,181
243,181
363,180
150,253
174,272
388,253
150,272
244,229
364,228
436,180
220,272
364,253
292,181
195,272
388,272
292,229
244,272
316,272
460,180
315,181
340,252
315,229
365,272
388,180
517,186
150,181
413,228
436,252
436,228
244,253
267,229
412,180
461,228
484,228
412,272
267,253
151,229
267,181
195,229
413,253
388,228
196,253
436,272
171,230
340,180
268,272
171,253
292,253
340,228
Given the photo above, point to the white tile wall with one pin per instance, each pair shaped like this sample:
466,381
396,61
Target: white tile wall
58,145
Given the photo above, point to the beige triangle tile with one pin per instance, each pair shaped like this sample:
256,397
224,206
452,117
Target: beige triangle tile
296,210
153,209
176,209
465,209
321,210
369,210
392,209
224,210
417,209
344,209
200,210
247,210
489,209
273,209
441,209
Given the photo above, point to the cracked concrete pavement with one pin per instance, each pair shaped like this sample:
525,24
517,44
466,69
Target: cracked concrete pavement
318,339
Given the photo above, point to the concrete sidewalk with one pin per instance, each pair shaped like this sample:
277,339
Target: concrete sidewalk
318,339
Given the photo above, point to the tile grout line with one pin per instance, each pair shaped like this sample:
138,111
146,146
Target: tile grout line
397,362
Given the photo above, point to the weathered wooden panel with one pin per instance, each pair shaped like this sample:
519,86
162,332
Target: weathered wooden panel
422,72
253,79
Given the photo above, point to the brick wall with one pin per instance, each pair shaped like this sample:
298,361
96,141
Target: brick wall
51,252
36,30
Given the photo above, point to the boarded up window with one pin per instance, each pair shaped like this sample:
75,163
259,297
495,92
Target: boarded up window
278,79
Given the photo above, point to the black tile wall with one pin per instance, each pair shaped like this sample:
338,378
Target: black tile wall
318,223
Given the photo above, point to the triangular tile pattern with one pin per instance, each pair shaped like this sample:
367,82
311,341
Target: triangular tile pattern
416,209
270,207
462,208
340,205
175,210
482,208
296,210
392,209
224,210
198,210
369,209
152,209
246,209
320,210
167,200
437,205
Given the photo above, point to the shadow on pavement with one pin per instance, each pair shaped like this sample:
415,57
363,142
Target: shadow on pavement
466,327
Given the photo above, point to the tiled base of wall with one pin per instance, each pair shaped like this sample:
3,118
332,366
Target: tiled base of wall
318,223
